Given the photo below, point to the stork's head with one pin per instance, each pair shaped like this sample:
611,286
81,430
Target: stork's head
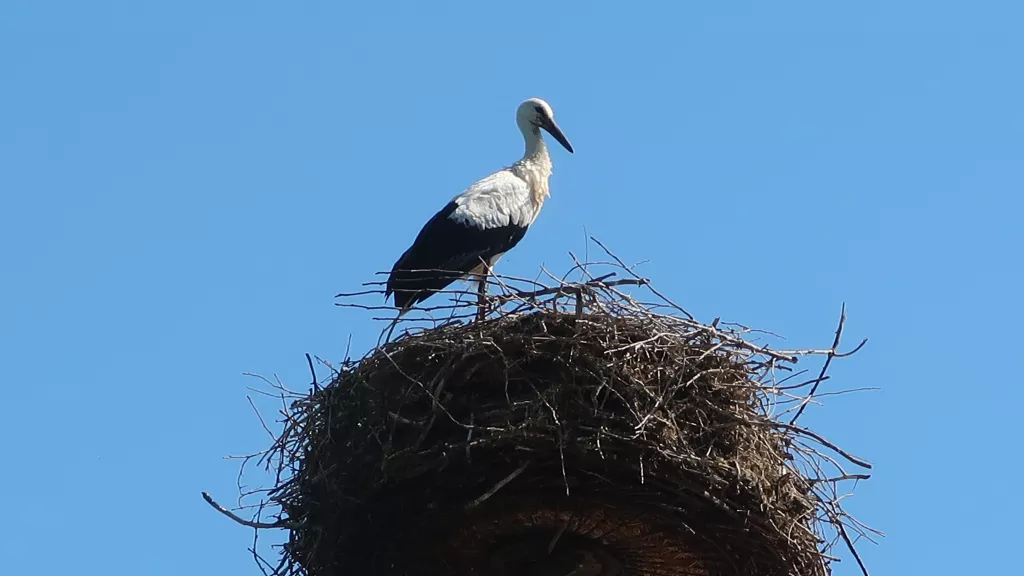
534,114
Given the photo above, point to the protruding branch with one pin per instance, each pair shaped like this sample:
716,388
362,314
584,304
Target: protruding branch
258,525
832,353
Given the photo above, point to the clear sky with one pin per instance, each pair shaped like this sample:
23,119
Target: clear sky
184,186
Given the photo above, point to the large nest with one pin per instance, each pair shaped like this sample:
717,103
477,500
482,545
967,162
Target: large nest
575,429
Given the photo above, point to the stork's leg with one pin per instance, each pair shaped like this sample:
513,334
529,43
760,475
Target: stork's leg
481,295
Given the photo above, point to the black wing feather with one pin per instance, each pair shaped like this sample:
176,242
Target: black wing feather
443,252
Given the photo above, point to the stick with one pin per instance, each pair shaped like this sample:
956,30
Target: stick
316,385
825,443
259,525
851,547
630,270
832,353
497,486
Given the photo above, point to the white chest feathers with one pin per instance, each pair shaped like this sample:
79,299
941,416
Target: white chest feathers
511,197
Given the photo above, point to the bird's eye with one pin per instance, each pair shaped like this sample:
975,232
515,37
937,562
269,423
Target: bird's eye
539,110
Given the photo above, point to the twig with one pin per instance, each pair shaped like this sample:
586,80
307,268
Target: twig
842,478
498,486
551,546
825,443
260,417
312,372
261,525
832,353
575,288
851,547
630,270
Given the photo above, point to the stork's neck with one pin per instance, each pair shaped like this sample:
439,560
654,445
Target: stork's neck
536,158
535,145
535,166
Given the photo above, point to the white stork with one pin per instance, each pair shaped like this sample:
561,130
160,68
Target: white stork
477,227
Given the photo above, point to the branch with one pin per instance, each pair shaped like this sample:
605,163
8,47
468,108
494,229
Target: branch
316,385
851,547
576,288
832,353
825,443
841,478
630,270
497,486
279,524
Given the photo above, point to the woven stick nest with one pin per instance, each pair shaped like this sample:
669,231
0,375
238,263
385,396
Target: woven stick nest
577,430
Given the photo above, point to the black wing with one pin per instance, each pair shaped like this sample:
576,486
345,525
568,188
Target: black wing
445,251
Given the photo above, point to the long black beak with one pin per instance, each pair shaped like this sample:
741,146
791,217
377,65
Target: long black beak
556,133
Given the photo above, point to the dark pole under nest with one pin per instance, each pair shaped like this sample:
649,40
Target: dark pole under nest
578,431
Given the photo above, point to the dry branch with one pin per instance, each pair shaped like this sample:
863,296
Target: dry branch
251,524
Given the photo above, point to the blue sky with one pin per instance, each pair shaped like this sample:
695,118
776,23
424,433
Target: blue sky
185,185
